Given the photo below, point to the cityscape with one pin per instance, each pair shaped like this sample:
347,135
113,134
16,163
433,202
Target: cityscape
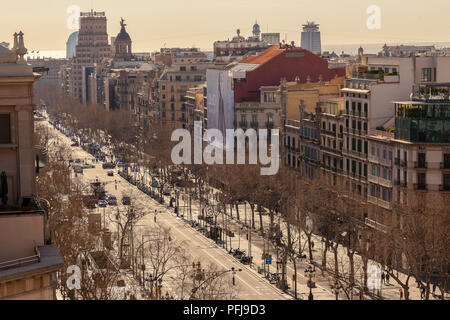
263,167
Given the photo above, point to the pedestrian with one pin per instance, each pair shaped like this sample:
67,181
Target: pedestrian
387,278
383,277
434,288
312,244
401,294
422,292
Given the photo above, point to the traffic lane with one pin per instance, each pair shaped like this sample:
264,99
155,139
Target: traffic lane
200,245
220,257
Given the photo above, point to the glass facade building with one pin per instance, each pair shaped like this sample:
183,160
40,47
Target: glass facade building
425,119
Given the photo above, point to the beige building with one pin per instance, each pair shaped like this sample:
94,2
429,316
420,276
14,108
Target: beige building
27,264
92,48
332,134
263,114
188,70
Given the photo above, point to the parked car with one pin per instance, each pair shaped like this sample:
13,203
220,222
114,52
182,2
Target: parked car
126,200
75,144
110,173
102,203
78,169
108,166
112,200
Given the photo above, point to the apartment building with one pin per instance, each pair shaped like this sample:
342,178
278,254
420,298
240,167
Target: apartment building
262,114
422,140
302,126
332,135
367,106
27,265
380,177
187,71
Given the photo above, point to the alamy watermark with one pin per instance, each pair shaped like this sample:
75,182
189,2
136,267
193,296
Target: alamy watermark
74,280
374,19
73,21
216,146
374,277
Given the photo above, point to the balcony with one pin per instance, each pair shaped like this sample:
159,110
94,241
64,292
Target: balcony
379,202
404,163
444,188
397,161
254,125
420,165
420,187
375,225
328,149
329,133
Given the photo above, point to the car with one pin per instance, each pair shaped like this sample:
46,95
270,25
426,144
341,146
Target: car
78,169
108,166
126,200
75,144
110,173
112,200
102,203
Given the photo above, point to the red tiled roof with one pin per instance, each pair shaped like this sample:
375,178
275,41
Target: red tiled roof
265,56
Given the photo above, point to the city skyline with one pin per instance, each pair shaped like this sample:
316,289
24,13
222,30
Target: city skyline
151,29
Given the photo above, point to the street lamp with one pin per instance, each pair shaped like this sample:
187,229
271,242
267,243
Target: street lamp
310,273
234,271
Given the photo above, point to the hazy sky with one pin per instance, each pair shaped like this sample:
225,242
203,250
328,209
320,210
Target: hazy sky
153,24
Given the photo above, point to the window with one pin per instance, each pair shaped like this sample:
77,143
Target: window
421,160
446,182
5,129
421,180
372,150
447,161
426,74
